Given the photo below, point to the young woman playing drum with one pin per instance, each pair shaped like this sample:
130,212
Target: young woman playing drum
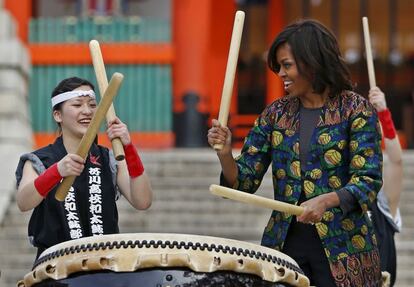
90,207
385,214
323,142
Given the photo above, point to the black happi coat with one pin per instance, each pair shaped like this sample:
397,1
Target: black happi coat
90,207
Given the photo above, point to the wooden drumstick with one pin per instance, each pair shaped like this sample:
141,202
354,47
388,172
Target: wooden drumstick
368,52
101,78
92,131
255,200
230,71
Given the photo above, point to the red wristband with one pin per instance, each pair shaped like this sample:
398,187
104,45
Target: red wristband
47,180
387,124
134,163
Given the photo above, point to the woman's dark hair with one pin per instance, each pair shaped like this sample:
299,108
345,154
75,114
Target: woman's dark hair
68,85
316,53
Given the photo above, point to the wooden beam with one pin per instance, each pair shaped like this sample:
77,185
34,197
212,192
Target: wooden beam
143,140
113,53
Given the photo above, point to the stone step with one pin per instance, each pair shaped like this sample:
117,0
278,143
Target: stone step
10,246
12,233
181,169
408,170
10,276
407,234
405,244
17,221
184,182
404,260
407,196
175,182
404,276
407,188
23,261
205,222
408,222
403,280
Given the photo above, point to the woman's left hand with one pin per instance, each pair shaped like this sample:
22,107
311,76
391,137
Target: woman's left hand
314,210
117,129
377,99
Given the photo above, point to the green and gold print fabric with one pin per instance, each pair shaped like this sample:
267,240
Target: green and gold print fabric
344,153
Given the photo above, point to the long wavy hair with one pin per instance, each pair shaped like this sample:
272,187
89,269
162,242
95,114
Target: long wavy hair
316,52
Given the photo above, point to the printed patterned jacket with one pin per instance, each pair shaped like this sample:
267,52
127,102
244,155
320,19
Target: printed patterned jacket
344,153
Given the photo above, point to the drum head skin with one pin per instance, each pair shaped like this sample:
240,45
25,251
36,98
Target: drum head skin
162,256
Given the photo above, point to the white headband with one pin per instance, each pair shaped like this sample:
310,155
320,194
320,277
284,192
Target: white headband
70,95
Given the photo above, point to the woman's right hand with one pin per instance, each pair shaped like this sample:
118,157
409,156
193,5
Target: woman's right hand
219,135
71,164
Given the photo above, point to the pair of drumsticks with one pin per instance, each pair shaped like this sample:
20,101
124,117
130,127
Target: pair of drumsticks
224,111
105,108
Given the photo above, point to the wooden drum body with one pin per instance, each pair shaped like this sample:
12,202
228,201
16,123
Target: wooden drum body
161,260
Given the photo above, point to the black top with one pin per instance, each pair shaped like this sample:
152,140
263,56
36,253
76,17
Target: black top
89,208
308,121
298,230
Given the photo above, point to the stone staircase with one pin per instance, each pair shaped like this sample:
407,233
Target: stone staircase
405,239
182,204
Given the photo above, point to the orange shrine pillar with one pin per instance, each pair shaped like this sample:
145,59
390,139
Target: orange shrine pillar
276,22
201,36
221,29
